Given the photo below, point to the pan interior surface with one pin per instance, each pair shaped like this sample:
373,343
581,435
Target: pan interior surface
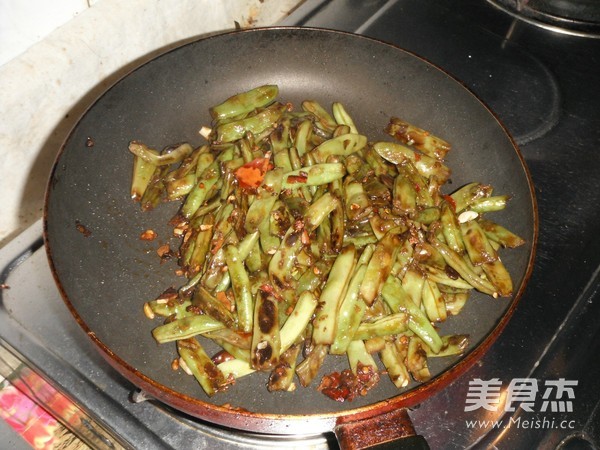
92,227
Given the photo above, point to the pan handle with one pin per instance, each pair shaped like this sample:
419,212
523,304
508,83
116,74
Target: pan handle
390,430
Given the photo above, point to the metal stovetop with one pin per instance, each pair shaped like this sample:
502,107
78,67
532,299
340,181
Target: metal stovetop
543,82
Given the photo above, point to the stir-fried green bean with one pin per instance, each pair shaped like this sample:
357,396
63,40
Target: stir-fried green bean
300,239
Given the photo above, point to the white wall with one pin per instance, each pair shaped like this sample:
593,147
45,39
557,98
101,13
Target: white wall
58,52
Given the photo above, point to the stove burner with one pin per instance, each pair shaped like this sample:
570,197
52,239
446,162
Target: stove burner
516,85
578,17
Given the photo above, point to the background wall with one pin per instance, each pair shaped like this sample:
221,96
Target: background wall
57,56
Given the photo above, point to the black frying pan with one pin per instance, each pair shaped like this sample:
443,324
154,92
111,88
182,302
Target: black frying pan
106,273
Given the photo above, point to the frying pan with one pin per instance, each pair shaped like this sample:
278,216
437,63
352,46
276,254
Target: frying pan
105,273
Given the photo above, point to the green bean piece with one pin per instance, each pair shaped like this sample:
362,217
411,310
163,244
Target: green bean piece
440,276
308,369
280,142
425,165
467,194
295,159
255,124
357,203
302,140
408,170
342,145
268,242
240,283
416,360
266,342
427,216
188,165
404,195
245,102
478,247
428,256
153,193
245,145
357,353
375,161
379,266
451,228
235,338
282,376
185,327
337,218
208,375
499,234
339,131
313,277
283,259
433,302
247,244
201,246
342,117
454,344
360,241
388,325
376,344
180,187
455,302
212,307
324,119
180,181
298,319
165,158
351,312
358,167
326,317
455,261
168,306
499,276
242,354
200,191
393,361
215,267
235,368
394,295
490,204
142,174
313,175
409,134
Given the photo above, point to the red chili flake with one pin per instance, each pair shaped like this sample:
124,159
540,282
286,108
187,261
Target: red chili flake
450,201
346,386
217,243
271,291
251,174
221,357
226,301
148,235
301,178
82,229
165,252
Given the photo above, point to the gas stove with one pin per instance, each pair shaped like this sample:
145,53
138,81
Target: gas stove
540,73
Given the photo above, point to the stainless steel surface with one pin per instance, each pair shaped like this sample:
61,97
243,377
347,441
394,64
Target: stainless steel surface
544,85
